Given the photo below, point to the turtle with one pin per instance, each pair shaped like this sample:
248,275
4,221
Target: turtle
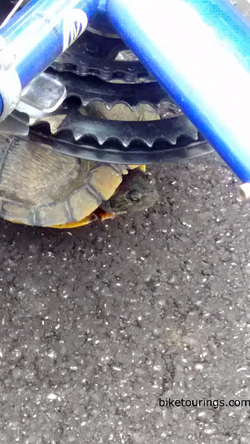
40,187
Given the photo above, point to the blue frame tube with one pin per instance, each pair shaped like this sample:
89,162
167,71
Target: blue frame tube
199,50
42,30
1,105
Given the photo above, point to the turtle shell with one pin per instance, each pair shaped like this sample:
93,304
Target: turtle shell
43,188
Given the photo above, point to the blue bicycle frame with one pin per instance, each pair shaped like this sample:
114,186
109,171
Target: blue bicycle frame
198,50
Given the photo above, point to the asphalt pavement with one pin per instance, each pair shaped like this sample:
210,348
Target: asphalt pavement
100,325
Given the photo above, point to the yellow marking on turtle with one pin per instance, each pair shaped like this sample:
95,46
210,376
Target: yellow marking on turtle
96,215
141,167
87,220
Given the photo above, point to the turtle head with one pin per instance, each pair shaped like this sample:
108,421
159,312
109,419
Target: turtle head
136,193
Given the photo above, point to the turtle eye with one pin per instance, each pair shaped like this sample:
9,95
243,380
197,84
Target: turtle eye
134,196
